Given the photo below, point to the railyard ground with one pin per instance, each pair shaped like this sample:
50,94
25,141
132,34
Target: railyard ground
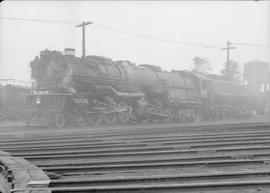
9,126
125,155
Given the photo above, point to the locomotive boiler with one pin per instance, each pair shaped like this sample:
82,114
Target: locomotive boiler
97,90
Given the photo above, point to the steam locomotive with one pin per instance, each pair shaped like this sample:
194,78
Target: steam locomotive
95,90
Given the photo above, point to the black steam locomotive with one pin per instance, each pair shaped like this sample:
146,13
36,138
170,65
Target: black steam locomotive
97,90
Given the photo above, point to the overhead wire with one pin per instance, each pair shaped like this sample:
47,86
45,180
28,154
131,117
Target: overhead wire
113,29
248,44
39,20
151,37
133,34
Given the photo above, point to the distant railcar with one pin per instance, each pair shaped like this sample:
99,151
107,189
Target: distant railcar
224,99
12,102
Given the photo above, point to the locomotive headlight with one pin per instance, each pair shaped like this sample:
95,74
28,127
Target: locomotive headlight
38,100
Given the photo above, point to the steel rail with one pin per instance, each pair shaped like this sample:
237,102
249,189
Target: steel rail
166,187
75,163
137,153
138,148
198,156
141,140
124,167
53,146
156,178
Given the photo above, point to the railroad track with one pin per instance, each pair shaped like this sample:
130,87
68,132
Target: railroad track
220,158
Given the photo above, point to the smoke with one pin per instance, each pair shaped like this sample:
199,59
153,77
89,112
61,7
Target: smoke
67,81
61,73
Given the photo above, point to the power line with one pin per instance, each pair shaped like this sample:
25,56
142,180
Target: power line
147,36
39,20
110,28
246,44
133,34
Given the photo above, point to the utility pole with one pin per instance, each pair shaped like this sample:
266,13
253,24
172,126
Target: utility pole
83,24
228,48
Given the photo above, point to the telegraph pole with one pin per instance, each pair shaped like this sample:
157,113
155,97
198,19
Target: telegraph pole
228,48
83,24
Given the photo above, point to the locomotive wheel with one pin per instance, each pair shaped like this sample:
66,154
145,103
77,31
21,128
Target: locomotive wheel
197,118
31,121
123,104
145,120
169,117
94,120
110,118
156,120
99,119
123,117
91,120
81,122
59,120
180,117
42,120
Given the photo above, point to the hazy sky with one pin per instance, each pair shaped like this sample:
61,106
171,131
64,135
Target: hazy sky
202,22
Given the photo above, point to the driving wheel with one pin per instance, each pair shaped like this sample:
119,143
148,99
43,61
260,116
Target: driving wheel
59,120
